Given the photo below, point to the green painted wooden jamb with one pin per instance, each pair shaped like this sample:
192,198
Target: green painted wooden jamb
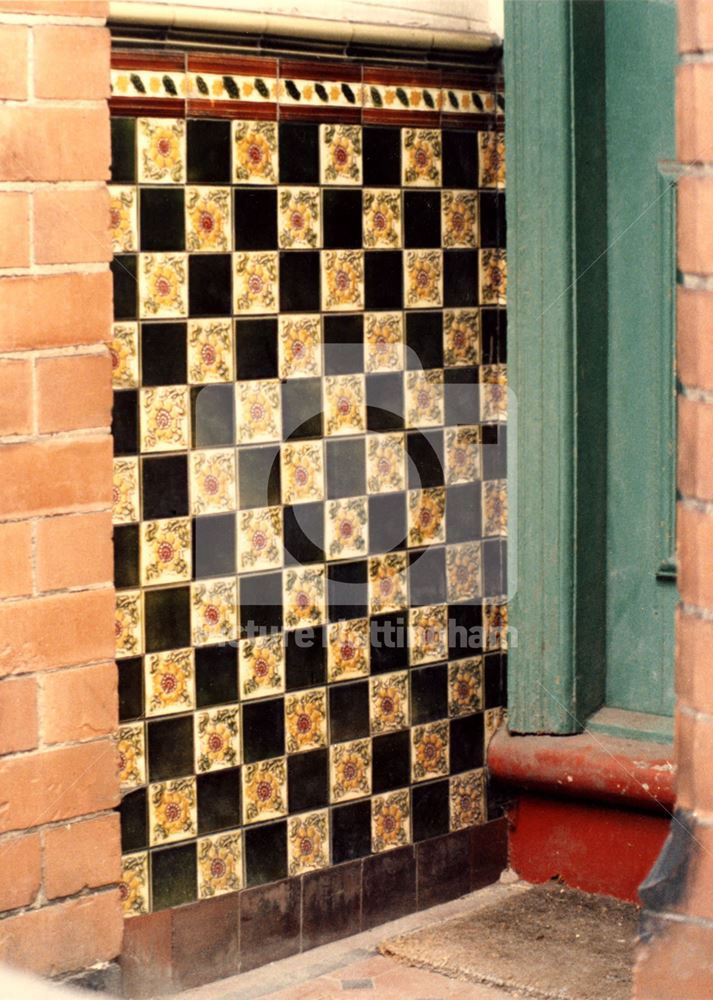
557,333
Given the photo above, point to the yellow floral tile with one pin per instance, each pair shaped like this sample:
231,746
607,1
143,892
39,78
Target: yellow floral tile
302,472
423,278
306,720
350,770
161,146
255,283
461,337
382,219
212,480
495,507
467,801
255,152
462,455
491,159
429,751
459,211
348,649
493,393
165,551
342,280
463,571
385,463
134,884
264,790
340,154
303,595
259,411
496,626
172,811
494,718
346,527
424,398
345,404
428,634
465,686
384,342
421,157
125,491
163,285
220,864
388,583
208,219
170,682
217,739
124,354
388,703
164,418
426,516
308,842
493,275
262,666
128,624
210,351
260,539
298,218
132,756
300,346
390,821
123,218
214,611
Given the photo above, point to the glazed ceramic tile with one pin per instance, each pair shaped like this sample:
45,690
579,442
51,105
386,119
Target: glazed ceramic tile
128,624
123,218
132,756
344,404
382,219
423,279
124,353
342,280
302,472
300,346
303,592
212,481
421,157
214,611
388,586
169,682
429,751
208,220
466,794
259,411
350,770
462,455
262,666
165,551
390,821
494,718
428,634
491,159
426,516
134,884
384,342
125,491
220,864
493,276
308,842
210,351
346,528
495,507
424,398
463,572
164,418
465,686
340,154
162,150
254,152
388,703
260,539
157,83
264,790
172,811
459,219
255,282
461,337
306,720
496,626
217,739
348,650
299,224
163,285
493,393
386,459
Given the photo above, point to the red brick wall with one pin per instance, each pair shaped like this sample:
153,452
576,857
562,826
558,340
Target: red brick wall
59,839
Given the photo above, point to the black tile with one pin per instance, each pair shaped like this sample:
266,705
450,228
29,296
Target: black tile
209,284
308,780
173,876
125,422
302,408
164,489
349,711
126,555
493,676
124,271
387,522
465,630
216,675
162,218
460,159
463,518
343,344
205,941
256,348
429,694
429,810
304,534
391,761
422,219
383,279
494,556
331,904
494,335
170,747
212,415
351,832
341,219
299,281
255,218
123,150
208,151
425,459
265,855
167,620
460,277
381,156
346,469
305,658
424,340
163,354
260,602
388,642
299,153
218,800
384,402
134,821
259,476
347,590
488,845
492,219
427,576
388,886
214,546
269,915
443,869
461,396
263,729
494,452
131,688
